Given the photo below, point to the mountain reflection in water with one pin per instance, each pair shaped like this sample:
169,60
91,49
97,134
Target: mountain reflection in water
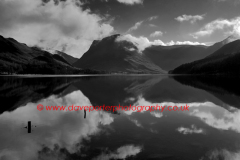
209,130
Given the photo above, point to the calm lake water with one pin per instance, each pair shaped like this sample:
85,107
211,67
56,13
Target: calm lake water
210,130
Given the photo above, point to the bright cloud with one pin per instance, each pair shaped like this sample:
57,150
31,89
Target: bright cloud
231,26
223,154
136,122
121,153
156,34
66,129
143,42
63,26
211,114
152,25
227,121
184,43
135,27
190,18
140,42
138,24
131,2
152,18
191,130
157,114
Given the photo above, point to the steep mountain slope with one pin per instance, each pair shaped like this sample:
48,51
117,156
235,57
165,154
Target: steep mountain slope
60,58
109,55
67,57
230,39
230,48
170,57
223,61
17,57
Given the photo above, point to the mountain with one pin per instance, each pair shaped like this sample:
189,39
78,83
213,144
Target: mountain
60,58
170,57
231,47
230,39
18,58
110,55
223,61
49,64
67,57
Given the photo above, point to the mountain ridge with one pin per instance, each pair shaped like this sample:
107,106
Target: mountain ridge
67,57
171,57
18,58
223,61
110,55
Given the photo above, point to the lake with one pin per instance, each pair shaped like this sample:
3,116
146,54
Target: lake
208,130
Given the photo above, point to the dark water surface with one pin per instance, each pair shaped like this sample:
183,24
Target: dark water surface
210,130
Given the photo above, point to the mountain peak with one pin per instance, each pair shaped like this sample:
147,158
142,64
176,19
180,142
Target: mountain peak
111,55
111,38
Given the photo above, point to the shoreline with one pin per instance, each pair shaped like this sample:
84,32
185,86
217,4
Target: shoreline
83,75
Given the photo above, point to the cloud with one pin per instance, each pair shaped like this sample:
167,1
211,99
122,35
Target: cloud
138,24
227,120
152,25
140,42
157,114
231,26
152,18
184,43
142,102
131,2
221,0
235,2
190,18
143,42
222,154
63,26
156,34
191,130
209,113
63,128
121,153
136,122
135,27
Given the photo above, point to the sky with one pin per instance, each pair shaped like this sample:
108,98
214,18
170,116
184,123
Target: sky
71,25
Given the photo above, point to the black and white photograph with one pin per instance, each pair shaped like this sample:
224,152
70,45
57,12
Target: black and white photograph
119,79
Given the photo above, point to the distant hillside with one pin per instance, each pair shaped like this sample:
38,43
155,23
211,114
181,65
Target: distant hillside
60,58
67,57
109,55
170,57
18,58
223,61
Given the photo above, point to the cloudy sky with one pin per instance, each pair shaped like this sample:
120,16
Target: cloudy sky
72,25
